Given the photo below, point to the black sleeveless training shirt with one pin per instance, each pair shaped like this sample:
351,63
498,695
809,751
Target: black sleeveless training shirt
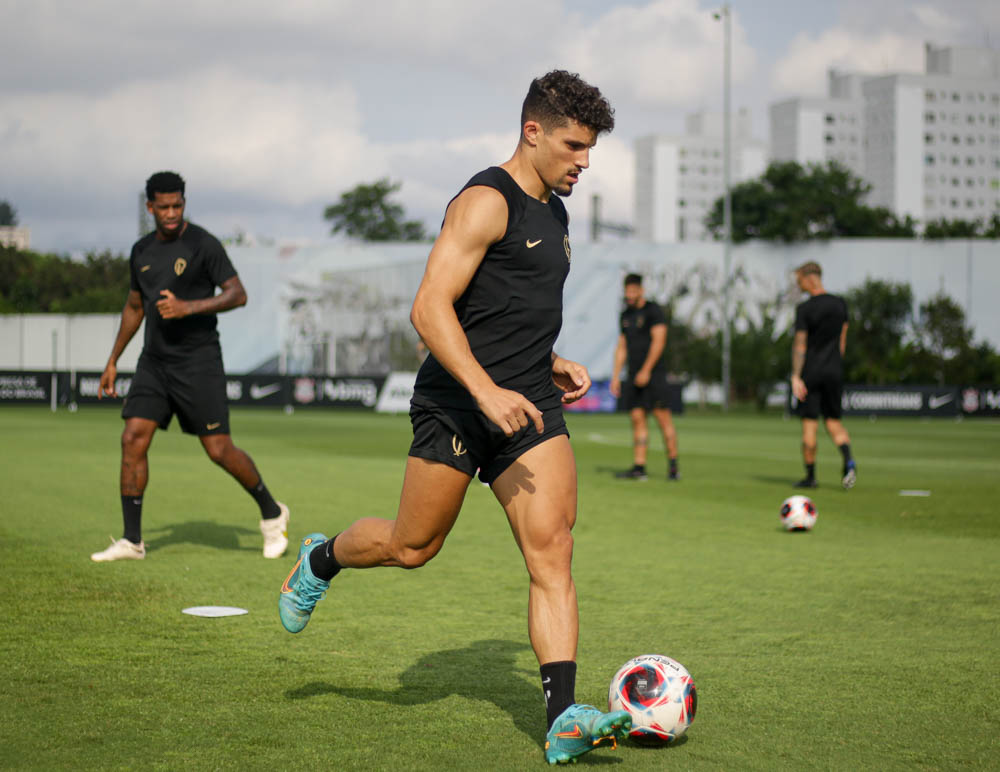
511,311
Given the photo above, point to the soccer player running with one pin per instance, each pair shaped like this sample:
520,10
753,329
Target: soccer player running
175,271
641,344
490,396
817,371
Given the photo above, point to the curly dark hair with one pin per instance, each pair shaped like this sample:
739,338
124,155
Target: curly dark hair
164,182
559,96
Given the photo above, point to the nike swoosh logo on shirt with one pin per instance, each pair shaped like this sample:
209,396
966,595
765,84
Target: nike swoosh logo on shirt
531,244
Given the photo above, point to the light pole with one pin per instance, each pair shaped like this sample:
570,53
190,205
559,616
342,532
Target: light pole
727,203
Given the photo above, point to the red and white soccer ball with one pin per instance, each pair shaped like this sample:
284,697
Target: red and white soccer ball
659,694
798,513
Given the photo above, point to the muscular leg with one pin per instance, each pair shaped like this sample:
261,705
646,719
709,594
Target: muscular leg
837,431
136,438
538,493
666,421
810,427
222,451
640,436
428,507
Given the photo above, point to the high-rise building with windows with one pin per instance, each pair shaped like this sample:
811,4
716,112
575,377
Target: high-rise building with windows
928,143
679,177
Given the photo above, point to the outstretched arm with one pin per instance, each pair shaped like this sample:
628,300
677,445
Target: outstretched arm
616,371
474,221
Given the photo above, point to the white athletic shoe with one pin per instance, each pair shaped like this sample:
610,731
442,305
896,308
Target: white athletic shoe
122,549
275,532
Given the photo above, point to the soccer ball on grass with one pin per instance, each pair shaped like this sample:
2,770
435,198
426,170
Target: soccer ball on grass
798,513
659,694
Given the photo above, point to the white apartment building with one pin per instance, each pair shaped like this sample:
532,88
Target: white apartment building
820,129
13,236
929,142
679,177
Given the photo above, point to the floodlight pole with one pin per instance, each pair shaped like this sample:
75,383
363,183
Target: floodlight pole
727,207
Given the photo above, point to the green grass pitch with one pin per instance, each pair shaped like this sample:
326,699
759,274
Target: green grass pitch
872,642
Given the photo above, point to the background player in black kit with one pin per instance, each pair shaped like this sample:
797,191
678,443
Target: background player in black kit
490,396
641,344
817,370
175,271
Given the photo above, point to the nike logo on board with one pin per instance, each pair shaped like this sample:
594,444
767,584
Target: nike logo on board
532,244
259,392
935,401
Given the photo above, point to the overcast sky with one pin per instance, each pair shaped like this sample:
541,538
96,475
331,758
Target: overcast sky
271,109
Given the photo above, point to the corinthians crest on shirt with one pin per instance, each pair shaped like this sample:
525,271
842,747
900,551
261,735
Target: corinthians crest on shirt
180,265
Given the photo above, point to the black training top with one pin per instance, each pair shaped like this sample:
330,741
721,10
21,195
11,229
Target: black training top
511,311
635,325
191,266
822,317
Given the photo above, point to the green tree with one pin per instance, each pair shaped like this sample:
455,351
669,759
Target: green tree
953,229
365,212
37,283
791,202
8,215
879,316
940,351
759,355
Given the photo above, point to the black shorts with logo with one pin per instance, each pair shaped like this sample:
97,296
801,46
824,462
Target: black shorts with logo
655,395
196,392
822,397
467,440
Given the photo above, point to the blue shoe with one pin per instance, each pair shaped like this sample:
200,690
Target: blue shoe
581,728
302,590
850,474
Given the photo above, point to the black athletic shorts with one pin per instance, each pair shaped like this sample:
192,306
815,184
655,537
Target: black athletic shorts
655,395
195,392
822,397
467,440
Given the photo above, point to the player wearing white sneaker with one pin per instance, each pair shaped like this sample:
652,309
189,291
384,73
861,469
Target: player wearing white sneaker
175,274
122,549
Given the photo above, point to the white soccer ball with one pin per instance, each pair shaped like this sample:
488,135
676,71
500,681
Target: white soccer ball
660,695
798,513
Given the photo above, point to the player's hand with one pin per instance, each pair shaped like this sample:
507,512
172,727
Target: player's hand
108,382
170,306
510,411
571,377
641,379
615,387
799,388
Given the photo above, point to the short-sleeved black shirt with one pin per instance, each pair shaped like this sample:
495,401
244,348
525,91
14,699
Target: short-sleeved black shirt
191,266
636,325
511,311
822,317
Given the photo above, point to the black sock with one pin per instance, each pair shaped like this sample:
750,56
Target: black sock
322,562
810,471
132,517
673,465
639,467
269,508
845,451
559,686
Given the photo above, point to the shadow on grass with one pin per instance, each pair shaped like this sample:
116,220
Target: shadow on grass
485,670
209,534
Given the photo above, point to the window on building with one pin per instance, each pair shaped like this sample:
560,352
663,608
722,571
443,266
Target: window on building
929,117
928,160
829,139
929,95
929,139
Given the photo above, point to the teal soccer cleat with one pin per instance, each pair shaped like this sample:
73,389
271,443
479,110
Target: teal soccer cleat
302,590
581,728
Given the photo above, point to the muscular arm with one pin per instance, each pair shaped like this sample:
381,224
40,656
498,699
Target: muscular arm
232,296
132,316
616,371
657,342
798,362
474,221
